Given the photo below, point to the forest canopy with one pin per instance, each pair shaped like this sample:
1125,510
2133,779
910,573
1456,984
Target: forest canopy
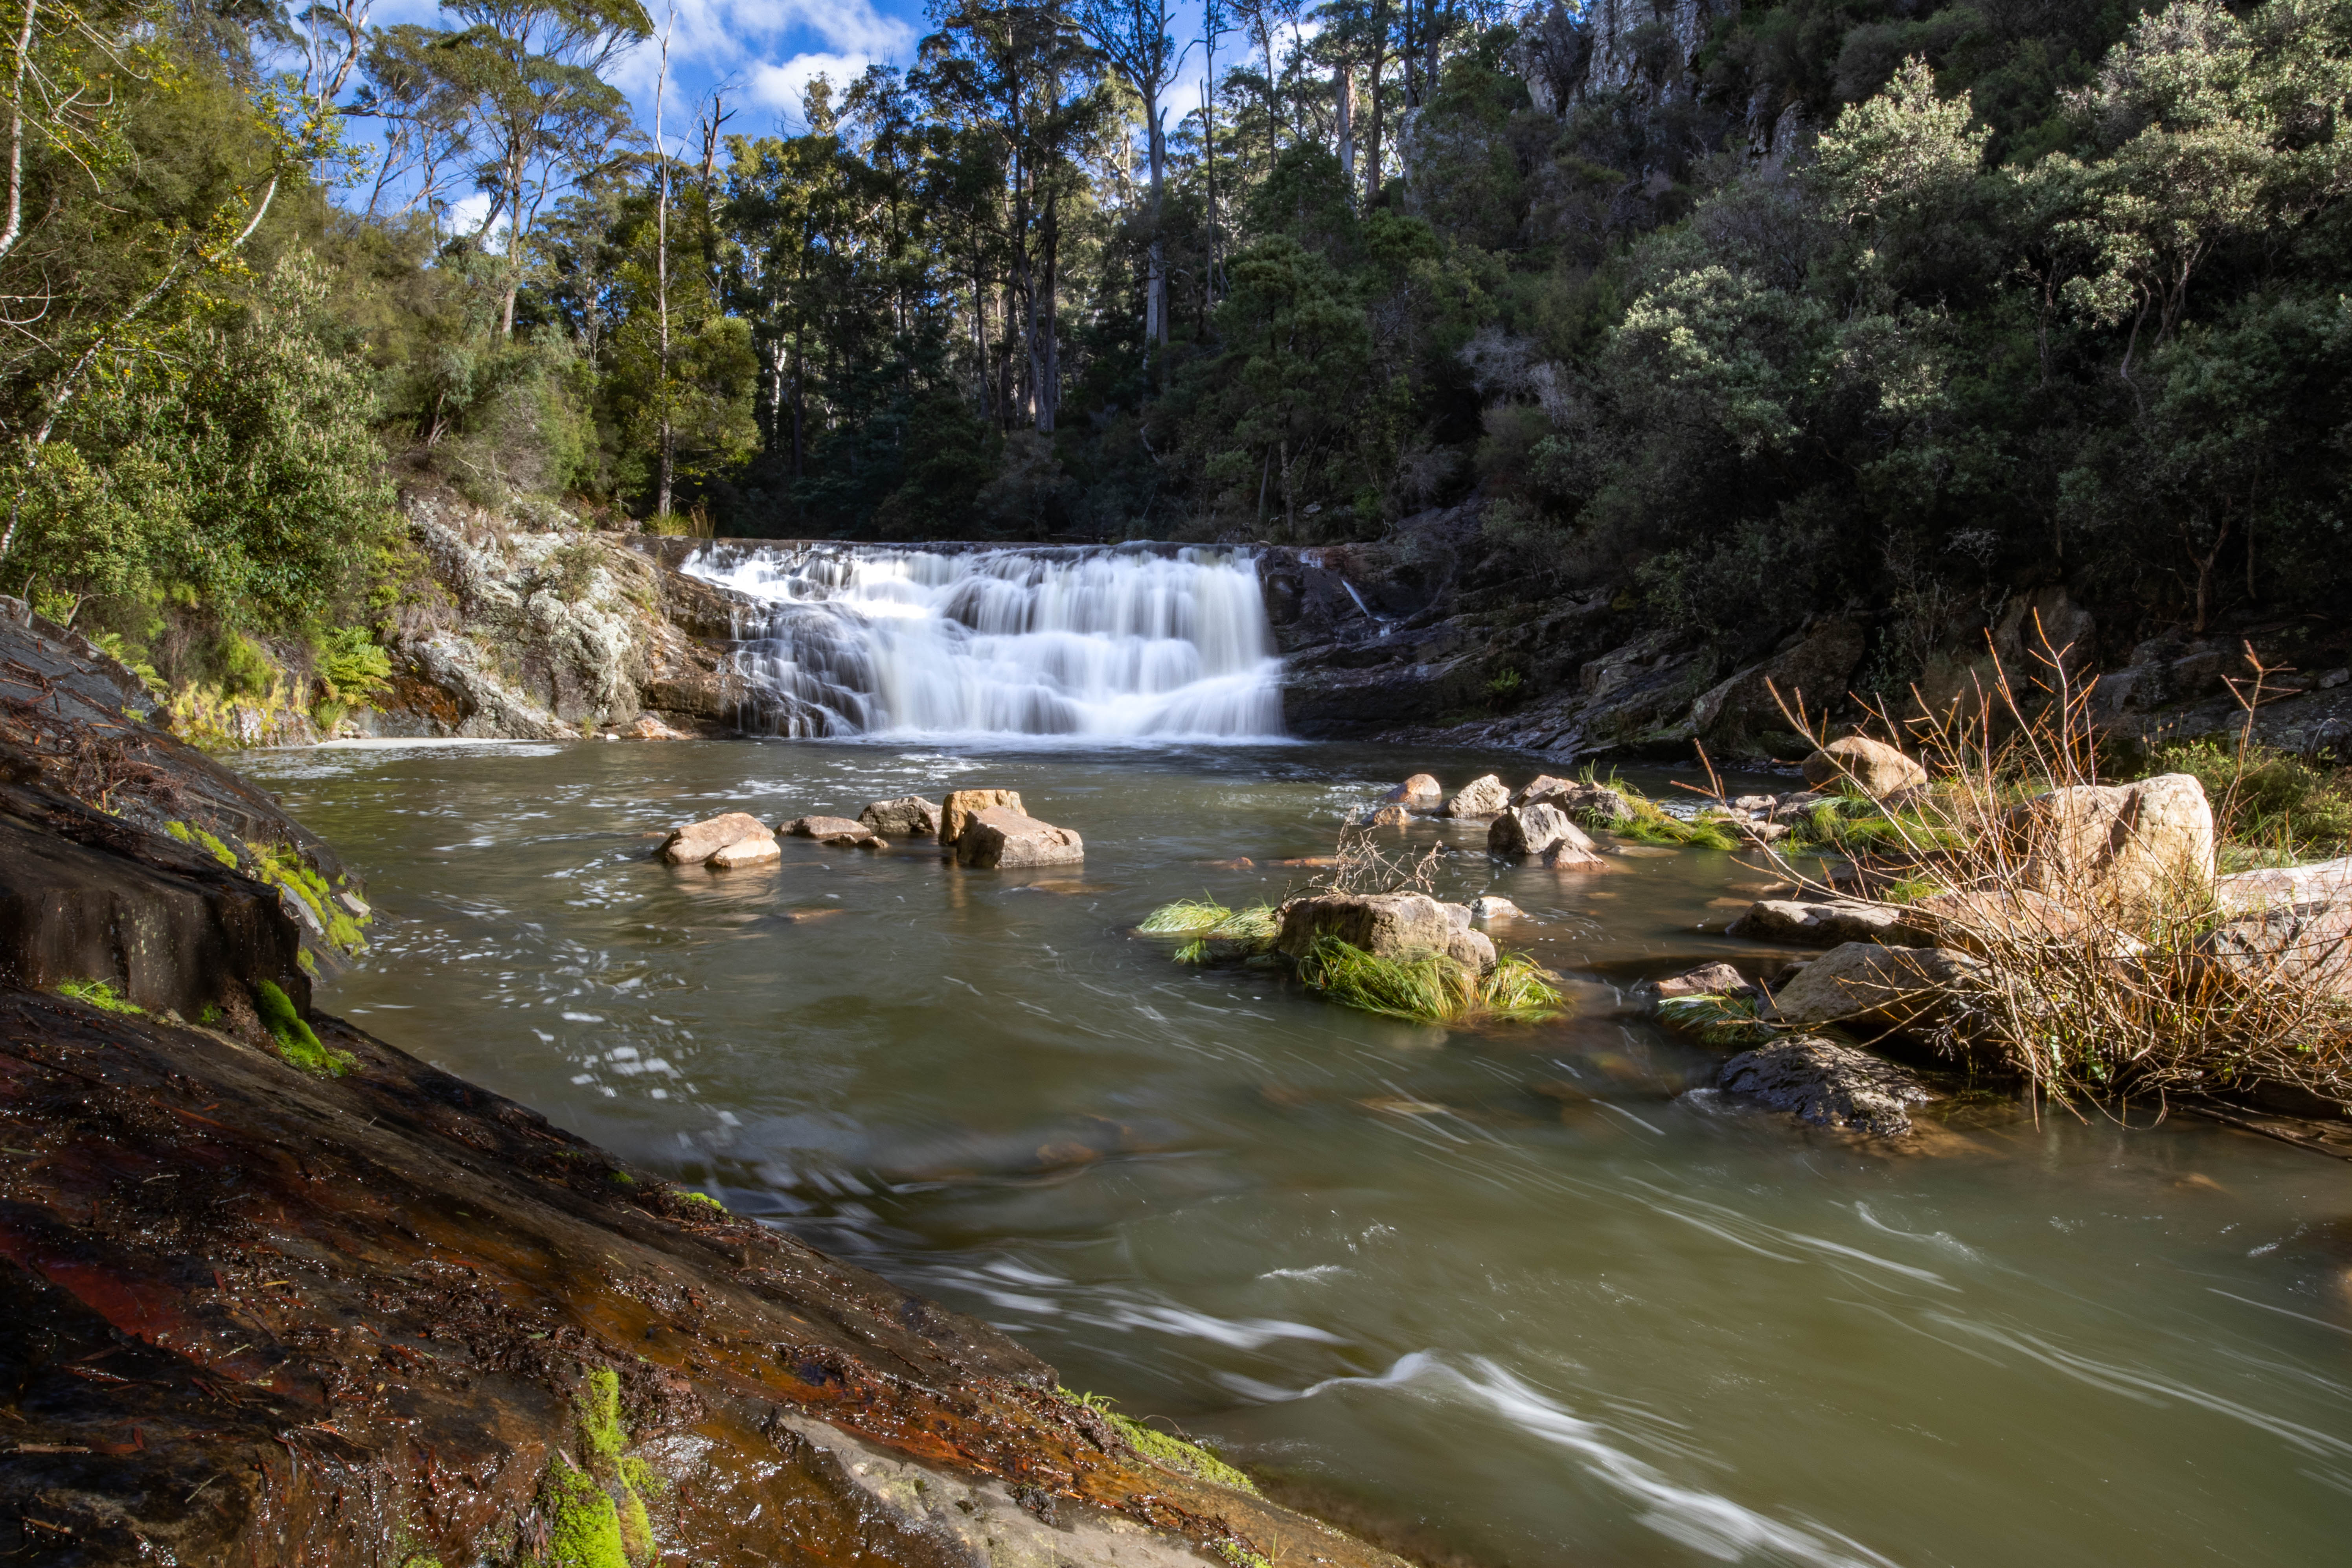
1736,313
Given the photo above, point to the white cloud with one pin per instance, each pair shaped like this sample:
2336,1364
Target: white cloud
782,87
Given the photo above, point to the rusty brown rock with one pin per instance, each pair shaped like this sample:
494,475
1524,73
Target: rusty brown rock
962,804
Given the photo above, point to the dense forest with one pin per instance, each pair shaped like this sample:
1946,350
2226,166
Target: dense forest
1740,311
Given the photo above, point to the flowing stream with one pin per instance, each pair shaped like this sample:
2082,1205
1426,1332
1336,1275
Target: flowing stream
1102,643
1514,1296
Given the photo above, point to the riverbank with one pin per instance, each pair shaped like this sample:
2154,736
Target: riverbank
279,1292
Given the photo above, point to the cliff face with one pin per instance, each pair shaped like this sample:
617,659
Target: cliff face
536,633
274,1292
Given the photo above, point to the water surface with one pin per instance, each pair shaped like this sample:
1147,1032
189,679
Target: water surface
1514,1293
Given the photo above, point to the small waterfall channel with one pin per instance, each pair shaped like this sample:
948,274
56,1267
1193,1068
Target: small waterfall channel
1104,642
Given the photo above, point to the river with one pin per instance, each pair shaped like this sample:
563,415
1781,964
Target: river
1513,1295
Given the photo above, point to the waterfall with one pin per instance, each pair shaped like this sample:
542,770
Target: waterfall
1107,642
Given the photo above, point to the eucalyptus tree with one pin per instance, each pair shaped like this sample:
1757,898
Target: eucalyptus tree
1019,78
1134,39
539,114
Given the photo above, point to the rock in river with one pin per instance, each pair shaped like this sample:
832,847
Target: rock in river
1386,925
699,841
999,836
1828,1084
1421,791
1874,767
837,831
753,850
1544,832
962,804
1706,980
1481,797
1592,804
1869,985
909,816
2118,845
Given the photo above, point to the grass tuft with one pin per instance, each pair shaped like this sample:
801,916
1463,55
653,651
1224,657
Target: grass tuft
1183,916
1430,988
1217,932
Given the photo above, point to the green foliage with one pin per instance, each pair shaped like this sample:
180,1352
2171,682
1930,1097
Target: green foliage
297,1042
1217,932
100,994
282,866
1430,988
1730,1023
701,1200
601,1435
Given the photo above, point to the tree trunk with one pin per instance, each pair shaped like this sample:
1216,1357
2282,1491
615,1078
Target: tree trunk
1372,129
1155,304
1343,92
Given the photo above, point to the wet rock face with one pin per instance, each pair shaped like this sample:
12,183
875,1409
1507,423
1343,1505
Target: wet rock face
1828,1084
550,628
252,1315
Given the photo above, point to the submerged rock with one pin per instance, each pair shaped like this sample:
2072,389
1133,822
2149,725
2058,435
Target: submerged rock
1493,907
1481,797
909,816
1872,766
1001,838
1385,817
837,831
1828,1084
699,841
962,804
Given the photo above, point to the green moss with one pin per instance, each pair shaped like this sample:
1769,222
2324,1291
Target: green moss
601,1435
1430,988
189,833
296,1041
282,867
584,1524
688,1195
100,994
621,1178
1169,1453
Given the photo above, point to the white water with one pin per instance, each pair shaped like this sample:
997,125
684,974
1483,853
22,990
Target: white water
1103,643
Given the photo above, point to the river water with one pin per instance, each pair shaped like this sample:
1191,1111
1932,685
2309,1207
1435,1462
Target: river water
1512,1296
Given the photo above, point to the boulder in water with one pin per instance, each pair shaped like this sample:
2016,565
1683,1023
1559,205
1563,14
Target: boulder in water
699,841
1878,768
1828,1084
1874,986
1471,948
1421,789
909,816
1481,797
1493,907
1001,838
1389,816
1592,804
962,804
753,849
1386,925
837,831
1541,833
1706,980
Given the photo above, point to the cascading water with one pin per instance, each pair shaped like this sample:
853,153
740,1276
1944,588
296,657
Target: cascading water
1104,642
